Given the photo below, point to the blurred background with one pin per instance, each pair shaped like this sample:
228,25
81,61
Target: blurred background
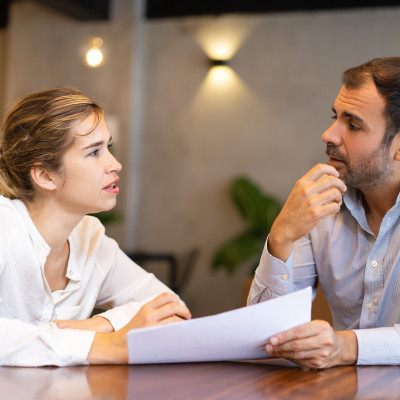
196,94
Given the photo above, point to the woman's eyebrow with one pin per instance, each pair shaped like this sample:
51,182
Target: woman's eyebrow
96,144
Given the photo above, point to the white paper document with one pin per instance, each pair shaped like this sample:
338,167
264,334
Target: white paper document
234,335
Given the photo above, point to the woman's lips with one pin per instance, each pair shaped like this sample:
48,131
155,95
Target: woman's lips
112,187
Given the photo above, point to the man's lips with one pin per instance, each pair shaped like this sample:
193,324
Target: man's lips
335,158
335,162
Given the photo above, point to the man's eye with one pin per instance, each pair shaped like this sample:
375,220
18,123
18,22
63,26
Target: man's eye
354,127
334,117
110,145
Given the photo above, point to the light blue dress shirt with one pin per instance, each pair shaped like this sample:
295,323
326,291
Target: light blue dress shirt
358,273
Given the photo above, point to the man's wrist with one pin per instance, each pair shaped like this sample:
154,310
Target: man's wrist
279,247
348,347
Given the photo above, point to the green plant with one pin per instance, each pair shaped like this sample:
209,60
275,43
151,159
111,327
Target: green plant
259,211
108,217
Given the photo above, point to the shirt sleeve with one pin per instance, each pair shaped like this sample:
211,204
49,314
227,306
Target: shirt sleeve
126,287
275,278
26,345
378,346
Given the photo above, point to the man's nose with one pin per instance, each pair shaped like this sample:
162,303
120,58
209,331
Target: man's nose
332,134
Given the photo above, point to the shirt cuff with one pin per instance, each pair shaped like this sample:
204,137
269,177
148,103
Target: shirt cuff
120,316
275,274
73,346
378,346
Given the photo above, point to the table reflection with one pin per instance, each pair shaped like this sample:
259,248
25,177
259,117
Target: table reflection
230,380
78,383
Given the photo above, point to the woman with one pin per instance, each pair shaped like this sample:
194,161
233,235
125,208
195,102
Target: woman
56,264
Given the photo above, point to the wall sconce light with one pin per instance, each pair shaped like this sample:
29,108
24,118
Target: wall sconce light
94,53
217,63
220,72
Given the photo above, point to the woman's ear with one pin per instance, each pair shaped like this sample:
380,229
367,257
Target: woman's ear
43,178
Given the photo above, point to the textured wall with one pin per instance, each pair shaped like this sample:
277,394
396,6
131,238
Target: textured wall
42,50
265,123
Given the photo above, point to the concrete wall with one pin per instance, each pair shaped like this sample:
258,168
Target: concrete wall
266,122
42,49
3,45
188,136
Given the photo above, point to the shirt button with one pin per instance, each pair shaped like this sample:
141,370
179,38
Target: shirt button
369,305
285,276
374,264
70,272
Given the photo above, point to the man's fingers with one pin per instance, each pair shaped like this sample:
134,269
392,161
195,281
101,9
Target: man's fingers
331,195
319,171
329,181
303,331
295,346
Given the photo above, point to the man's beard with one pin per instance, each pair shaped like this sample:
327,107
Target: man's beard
368,172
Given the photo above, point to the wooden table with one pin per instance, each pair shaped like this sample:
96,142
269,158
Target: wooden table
223,380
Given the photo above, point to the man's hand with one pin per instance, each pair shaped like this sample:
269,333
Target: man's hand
315,345
112,348
317,194
98,324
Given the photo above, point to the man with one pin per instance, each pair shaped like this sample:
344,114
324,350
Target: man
340,227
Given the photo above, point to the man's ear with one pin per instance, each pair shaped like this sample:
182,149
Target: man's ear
396,144
43,178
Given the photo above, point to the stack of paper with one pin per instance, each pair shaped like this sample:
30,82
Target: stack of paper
234,335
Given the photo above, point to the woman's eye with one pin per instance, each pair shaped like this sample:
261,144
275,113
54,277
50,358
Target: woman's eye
94,153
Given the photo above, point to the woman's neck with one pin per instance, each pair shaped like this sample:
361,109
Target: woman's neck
53,223
55,226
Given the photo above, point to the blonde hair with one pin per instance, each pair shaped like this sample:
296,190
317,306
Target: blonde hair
37,132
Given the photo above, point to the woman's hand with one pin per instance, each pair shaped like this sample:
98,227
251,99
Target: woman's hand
164,309
112,348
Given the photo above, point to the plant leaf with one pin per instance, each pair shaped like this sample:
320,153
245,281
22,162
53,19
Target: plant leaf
236,251
254,206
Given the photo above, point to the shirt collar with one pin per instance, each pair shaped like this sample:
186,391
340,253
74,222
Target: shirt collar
73,272
43,249
40,245
353,201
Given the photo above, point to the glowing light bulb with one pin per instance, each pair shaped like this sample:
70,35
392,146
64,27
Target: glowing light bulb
220,75
94,57
93,52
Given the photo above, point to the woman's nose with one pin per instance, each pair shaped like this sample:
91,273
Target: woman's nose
113,165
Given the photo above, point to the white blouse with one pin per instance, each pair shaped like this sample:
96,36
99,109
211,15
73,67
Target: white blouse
100,276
